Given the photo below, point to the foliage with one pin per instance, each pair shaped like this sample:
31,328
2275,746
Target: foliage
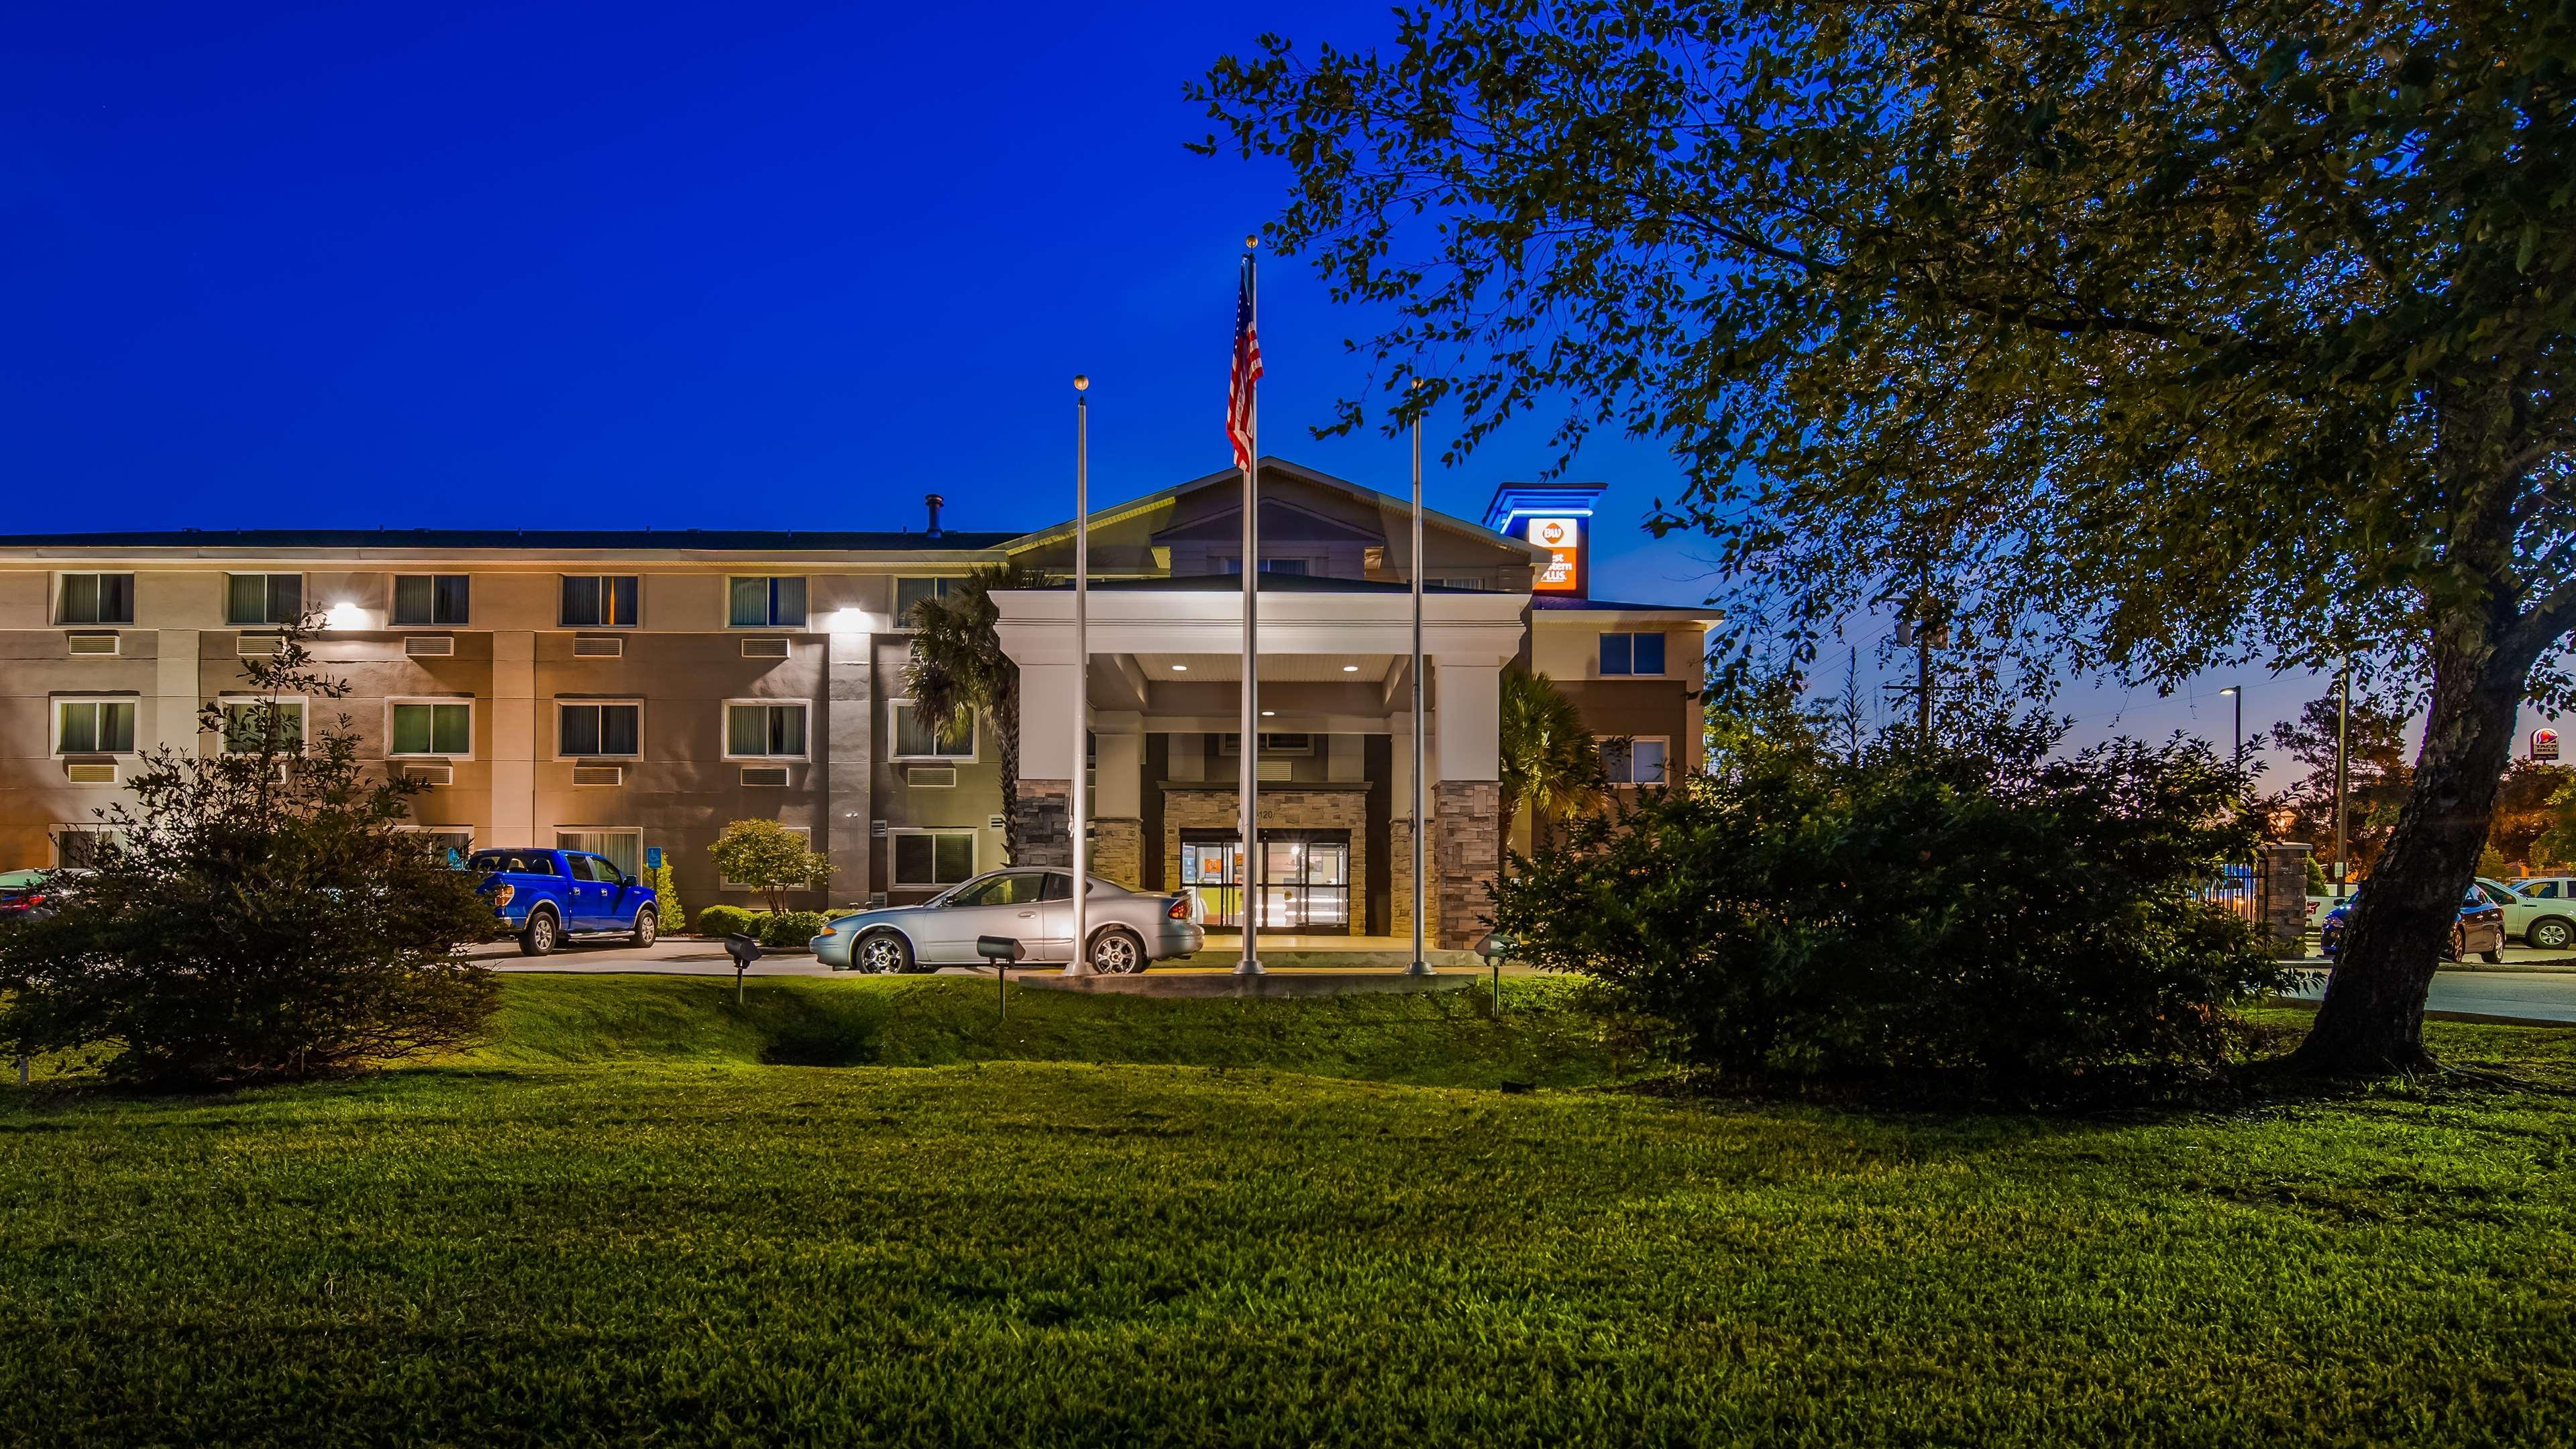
258,911
1765,1273
670,918
2020,918
790,929
768,857
1549,760
2379,779
1751,719
2142,335
2533,805
957,671
727,921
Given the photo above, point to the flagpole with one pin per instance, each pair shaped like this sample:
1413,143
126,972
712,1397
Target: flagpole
1421,966
1249,869
1080,822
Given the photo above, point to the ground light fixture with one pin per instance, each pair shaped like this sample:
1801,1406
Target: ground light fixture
1495,949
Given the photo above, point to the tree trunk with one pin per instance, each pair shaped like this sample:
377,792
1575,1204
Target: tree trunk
2373,1017
1006,739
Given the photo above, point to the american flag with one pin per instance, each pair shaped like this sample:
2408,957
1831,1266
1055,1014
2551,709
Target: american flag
1247,371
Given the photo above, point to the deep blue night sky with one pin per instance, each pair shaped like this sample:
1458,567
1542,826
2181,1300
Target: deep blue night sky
564,265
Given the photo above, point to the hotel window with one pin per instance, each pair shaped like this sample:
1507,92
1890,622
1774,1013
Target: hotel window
914,740
452,842
430,727
95,599
587,730
910,592
623,848
1301,566
245,721
1272,743
603,601
767,603
927,859
1633,761
431,598
76,846
1632,653
263,598
758,730
94,726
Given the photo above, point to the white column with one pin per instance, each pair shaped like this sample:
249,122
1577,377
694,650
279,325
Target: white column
514,739
1469,718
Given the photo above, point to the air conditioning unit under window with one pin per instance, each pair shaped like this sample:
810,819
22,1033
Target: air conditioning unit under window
764,648
92,643
771,776
440,773
931,777
429,646
90,772
599,774
876,827
593,646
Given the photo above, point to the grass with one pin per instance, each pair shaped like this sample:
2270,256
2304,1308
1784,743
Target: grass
630,1219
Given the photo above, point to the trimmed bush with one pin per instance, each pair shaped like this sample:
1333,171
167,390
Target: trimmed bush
726,921
790,929
2020,919
672,918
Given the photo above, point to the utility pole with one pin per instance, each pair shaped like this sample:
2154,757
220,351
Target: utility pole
2343,736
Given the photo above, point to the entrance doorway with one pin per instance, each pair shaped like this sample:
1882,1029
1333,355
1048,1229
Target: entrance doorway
1305,880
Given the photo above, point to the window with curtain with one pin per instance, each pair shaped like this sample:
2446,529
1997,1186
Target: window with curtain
94,727
622,848
428,728
1633,761
758,731
599,601
243,724
908,592
1632,654
431,598
768,603
914,740
263,598
95,599
598,729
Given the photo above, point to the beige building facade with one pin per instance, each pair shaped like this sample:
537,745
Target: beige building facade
631,693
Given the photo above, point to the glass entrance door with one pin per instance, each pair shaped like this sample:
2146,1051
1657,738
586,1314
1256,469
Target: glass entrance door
1305,880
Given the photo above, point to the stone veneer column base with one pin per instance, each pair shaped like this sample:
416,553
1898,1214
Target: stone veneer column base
1466,859
1399,886
1118,851
1044,808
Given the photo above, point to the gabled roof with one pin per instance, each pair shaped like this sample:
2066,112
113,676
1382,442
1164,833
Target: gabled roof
1281,467
548,541
1281,522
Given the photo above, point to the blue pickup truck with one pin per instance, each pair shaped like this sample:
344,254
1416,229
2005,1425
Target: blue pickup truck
546,897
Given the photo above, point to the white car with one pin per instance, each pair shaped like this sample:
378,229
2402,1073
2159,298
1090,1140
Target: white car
1128,929
2539,909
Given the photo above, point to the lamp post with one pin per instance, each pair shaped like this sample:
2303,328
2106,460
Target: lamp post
1080,825
2238,695
1420,966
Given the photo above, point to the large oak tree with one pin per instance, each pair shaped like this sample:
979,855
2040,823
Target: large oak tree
2138,337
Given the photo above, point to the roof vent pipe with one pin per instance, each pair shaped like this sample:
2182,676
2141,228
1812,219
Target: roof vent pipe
933,500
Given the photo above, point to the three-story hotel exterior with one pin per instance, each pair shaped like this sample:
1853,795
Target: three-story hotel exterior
623,691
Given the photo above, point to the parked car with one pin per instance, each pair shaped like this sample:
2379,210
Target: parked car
1129,929
2549,918
27,895
2527,917
546,897
2479,928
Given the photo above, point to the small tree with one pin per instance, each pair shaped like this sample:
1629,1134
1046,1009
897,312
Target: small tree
670,916
771,859
1550,762
958,670
257,912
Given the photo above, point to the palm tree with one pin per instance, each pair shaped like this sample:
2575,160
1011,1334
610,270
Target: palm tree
1549,760
958,671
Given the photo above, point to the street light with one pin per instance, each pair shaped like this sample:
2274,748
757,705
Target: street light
2238,695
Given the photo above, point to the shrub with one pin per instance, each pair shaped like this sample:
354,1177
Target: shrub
255,913
787,929
768,857
670,917
726,921
2020,919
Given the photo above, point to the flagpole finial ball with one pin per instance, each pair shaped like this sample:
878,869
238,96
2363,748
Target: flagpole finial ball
1081,383
1252,241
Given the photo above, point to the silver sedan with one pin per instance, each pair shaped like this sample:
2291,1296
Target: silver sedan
1128,929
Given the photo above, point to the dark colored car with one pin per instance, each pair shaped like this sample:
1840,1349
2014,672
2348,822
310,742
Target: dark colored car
27,895
547,897
2480,928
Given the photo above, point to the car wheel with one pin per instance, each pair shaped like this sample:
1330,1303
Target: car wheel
2493,958
648,926
2458,946
2552,934
884,953
542,935
1117,952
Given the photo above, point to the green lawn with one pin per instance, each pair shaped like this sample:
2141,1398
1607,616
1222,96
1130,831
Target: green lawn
632,1220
